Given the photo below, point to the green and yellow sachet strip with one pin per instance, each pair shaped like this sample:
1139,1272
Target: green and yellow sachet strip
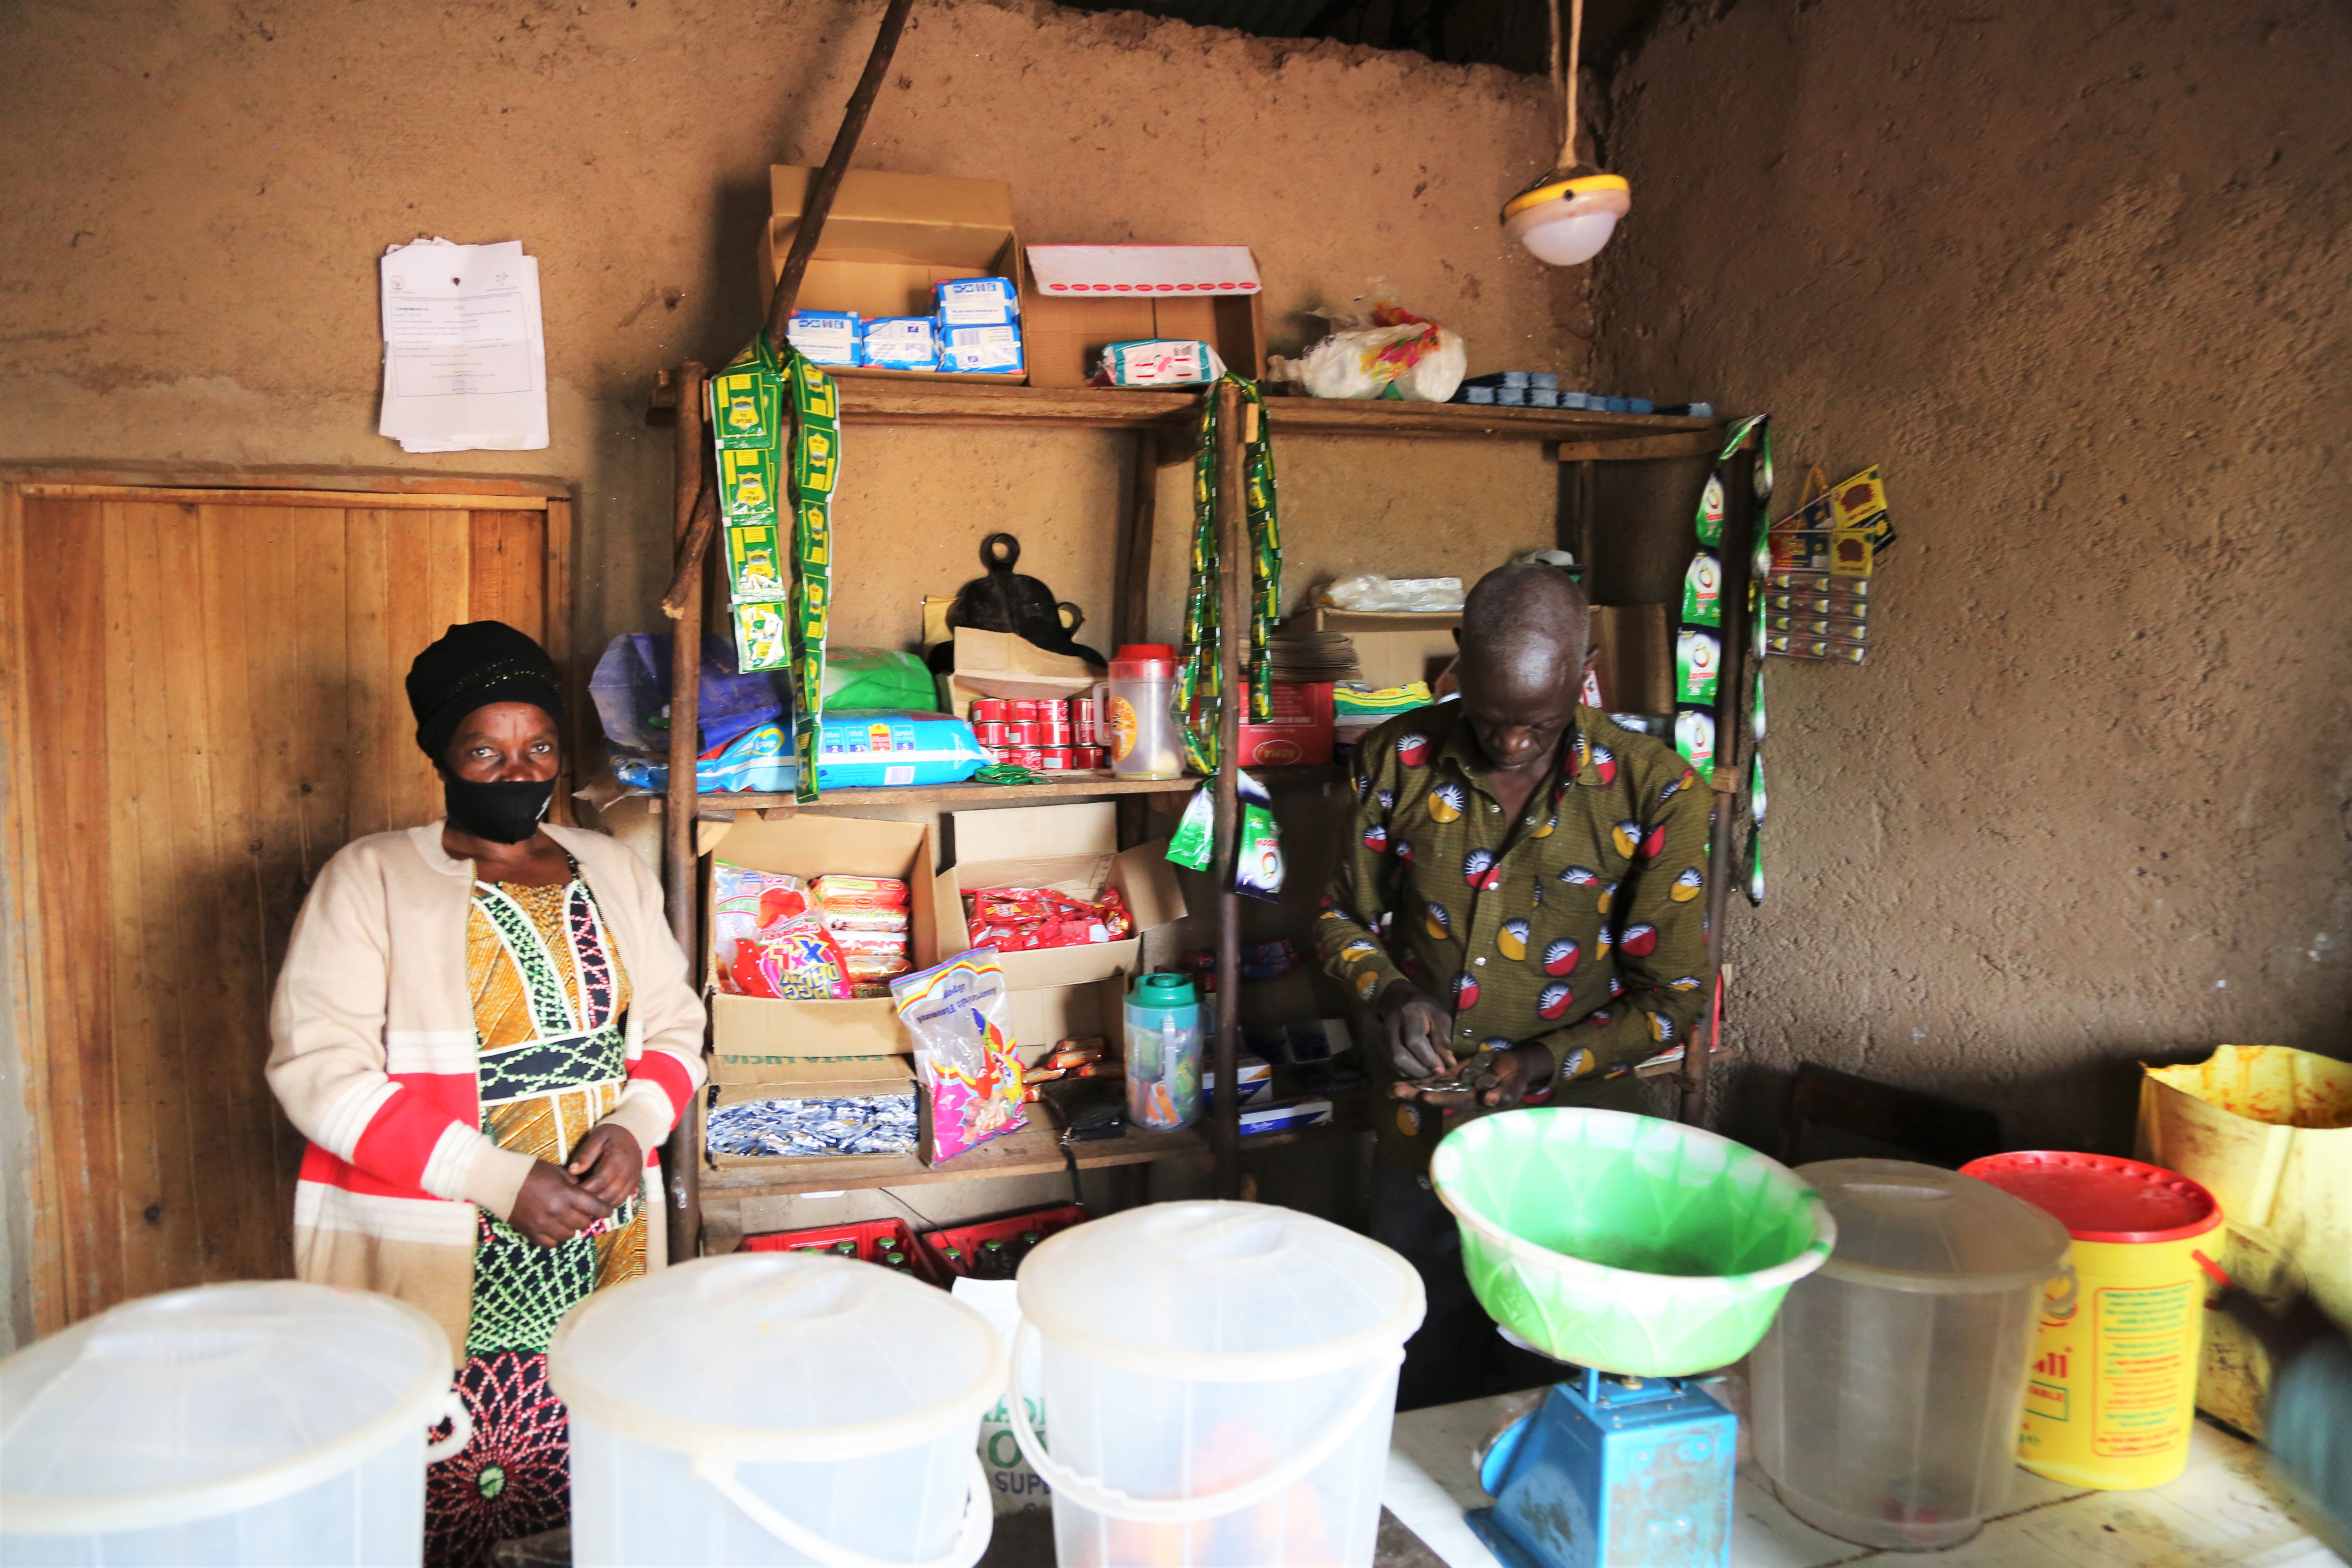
1200,695
764,479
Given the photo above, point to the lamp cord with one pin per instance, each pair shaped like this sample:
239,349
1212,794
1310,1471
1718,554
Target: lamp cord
1564,81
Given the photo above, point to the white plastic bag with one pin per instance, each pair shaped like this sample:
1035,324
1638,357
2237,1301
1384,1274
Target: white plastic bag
1365,355
1375,593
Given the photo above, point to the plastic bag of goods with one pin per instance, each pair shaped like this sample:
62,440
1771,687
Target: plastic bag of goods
1368,592
889,747
767,939
959,1015
631,691
1391,353
878,677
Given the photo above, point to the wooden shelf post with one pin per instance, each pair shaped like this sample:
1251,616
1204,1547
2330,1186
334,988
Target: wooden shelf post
682,1156
1232,636
1733,687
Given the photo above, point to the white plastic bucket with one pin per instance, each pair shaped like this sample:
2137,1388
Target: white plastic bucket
1220,1380
255,1424
777,1408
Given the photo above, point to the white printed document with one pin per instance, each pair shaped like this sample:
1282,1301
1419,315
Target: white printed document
465,361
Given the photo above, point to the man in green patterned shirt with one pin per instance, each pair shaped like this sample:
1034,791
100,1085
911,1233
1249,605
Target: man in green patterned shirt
1521,905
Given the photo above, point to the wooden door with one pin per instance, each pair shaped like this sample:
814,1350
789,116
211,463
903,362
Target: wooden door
203,703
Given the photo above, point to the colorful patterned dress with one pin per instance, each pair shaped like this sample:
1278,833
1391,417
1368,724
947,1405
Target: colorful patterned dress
550,998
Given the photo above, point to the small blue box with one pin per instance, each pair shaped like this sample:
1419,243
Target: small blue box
1543,381
976,302
1638,406
981,351
1615,404
1481,394
902,342
826,336
1542,397
1576,400
1511,396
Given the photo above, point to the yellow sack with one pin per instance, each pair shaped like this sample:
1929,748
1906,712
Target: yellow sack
2268,1131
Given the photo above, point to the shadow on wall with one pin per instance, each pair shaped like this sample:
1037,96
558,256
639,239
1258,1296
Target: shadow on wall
2103,1093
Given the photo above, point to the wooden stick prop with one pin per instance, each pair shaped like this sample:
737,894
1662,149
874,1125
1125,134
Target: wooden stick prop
1233,621
696,497
688,577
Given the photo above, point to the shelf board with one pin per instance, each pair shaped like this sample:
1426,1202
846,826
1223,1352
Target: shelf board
1034,1151
1582,432
1077,786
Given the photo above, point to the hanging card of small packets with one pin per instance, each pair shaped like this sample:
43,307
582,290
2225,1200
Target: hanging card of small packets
1698,639
775,489
1199,696
1755,799
1822,558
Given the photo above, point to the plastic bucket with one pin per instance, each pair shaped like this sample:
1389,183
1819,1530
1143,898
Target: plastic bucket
1626,1243
777,1408
261,1424
2111,1394
1221,1379
2268,1131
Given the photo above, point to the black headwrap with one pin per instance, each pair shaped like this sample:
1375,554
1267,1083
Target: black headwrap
472,666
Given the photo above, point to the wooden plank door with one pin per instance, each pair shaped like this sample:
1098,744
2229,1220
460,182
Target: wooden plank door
204,703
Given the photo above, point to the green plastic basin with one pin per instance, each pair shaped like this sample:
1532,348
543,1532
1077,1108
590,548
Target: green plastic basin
1626,1243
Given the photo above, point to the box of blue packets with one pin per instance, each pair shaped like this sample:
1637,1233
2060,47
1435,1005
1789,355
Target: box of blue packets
815,1115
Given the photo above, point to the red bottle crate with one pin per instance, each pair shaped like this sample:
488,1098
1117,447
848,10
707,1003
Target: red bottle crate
967,1238
869,1233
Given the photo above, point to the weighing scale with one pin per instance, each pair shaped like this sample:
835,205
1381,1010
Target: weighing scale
1613,1472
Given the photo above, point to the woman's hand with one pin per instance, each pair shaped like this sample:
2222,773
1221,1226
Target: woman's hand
609,1164
552,1208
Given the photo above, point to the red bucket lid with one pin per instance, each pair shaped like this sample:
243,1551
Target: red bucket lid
1137,652
2098,1197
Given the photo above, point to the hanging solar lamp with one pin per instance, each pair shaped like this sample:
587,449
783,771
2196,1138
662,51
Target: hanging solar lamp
1568,216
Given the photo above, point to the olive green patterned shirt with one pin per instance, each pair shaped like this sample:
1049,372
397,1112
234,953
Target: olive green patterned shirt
1581,927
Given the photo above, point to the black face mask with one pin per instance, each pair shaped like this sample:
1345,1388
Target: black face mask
505,813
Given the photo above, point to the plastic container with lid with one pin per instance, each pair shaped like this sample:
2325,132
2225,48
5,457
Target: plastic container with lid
1221,1378
1163,1052
2112,1395
777,1407
1887,1390
262,1422
1137,706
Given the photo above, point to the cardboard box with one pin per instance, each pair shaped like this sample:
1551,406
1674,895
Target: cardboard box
1136,292
815,1079
1043,846
1297,730
1395,647
887,242
755,1039
1097,1010
1004,664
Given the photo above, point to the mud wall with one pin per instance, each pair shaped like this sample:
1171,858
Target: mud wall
2074,275
196,196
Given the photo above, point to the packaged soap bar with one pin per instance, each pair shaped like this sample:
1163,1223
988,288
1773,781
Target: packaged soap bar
1160,362
901,343
988,350
977,302
828,337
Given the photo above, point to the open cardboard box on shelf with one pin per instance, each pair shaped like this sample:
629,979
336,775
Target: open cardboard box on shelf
1045,846
814,1078
887,240
758,1039
1005,664
1091,295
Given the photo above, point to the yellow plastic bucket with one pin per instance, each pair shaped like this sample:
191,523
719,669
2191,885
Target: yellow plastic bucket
2112,1391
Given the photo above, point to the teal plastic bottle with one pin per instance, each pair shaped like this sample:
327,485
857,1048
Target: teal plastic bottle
1163,1052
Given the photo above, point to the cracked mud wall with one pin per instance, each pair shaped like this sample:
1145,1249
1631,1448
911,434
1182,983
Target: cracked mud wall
196,196
2075,274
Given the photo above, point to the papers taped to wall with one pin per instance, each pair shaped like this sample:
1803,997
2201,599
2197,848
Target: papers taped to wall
464,355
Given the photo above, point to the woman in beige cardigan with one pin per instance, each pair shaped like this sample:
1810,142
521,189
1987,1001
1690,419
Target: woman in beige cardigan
485,1030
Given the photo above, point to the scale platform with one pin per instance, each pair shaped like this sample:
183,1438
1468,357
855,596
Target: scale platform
1613,1472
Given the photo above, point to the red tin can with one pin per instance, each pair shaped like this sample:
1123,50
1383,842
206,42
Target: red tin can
1082,720
988,732
1055,758
988,710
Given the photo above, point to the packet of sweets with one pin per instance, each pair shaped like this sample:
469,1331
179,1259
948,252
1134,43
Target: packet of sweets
793,961
960,1014
840,891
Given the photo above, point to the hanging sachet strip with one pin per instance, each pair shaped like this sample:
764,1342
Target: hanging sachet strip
1199,696
771,483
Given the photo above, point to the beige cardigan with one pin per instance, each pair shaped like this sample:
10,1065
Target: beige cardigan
373,1054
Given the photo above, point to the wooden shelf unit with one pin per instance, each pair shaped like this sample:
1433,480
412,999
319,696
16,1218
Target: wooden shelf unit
1162,421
